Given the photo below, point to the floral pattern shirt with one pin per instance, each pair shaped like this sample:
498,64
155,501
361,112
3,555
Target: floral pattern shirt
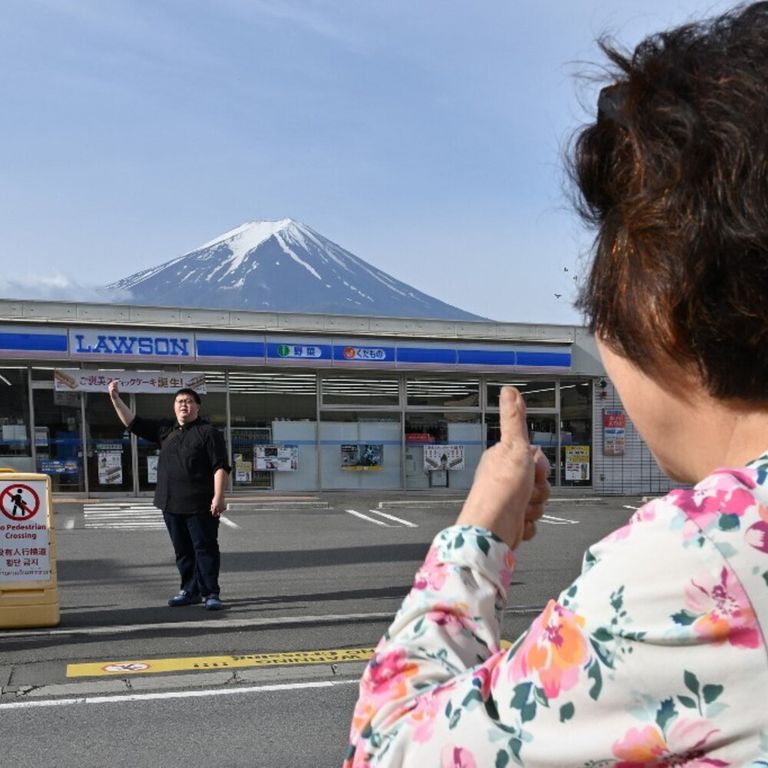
655,655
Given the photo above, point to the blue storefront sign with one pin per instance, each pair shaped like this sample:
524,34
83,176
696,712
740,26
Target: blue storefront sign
178,347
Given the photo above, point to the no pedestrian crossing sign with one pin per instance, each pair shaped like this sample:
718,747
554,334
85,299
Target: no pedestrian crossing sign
19,501
24,535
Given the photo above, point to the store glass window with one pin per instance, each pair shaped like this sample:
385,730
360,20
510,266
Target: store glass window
360,450
360,392
15,427
536,394
442,448
273,430
542,431
58,439
434,392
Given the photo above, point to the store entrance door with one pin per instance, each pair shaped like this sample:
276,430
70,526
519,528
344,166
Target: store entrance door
543,429
108,449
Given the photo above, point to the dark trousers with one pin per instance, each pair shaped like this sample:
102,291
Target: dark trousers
196,545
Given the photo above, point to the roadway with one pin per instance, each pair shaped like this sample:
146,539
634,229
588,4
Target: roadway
310,584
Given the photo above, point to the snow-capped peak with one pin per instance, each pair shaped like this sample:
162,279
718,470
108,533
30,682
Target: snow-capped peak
281,266
248,236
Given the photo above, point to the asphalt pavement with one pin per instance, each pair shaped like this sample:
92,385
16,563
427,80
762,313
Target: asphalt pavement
310,584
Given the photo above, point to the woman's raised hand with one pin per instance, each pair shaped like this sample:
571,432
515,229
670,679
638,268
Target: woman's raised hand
510,486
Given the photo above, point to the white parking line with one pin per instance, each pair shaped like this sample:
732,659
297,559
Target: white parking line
629,506
552,520
130,697
365,517
392,517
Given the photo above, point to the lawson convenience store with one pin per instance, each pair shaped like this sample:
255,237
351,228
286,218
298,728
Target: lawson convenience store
306,402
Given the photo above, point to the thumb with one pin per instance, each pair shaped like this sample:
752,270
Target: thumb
512,421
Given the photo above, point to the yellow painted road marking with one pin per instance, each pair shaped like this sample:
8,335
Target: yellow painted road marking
150,666
199,663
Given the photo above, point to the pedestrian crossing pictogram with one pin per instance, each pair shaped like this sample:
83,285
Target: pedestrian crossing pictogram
19,501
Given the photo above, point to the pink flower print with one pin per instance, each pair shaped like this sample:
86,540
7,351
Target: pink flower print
701,509
745,477
385,678
684,744
639,746
554,650
453,617
723,610
705,506
757,535
646,513
456,757
486,674
432,574
362,715
713,497
505,574
427,708
620,533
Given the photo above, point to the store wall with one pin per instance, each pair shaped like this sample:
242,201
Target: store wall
623,464
360,455
303,435
376,410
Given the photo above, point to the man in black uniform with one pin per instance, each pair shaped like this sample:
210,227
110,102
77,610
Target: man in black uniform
191,477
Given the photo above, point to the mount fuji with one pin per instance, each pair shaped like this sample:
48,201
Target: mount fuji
281,266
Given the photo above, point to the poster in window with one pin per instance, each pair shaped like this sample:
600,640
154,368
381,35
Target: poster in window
243,469
614,433
275,458
362,457
152,468
41,437
448,457
577,462
110,467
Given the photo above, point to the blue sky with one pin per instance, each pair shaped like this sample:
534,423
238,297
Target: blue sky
425,136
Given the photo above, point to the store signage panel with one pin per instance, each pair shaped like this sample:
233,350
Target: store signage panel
84,380
248,348
614,432
558,357
551,358
299,351
487,357
426,356
360,354
85,343
18,341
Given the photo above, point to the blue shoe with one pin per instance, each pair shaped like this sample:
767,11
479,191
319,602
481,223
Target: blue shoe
184,598
212,603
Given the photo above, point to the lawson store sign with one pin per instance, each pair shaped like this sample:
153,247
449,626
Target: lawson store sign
177,347
130,344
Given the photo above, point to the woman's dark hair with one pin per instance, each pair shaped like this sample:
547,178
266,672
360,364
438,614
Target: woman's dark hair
189,392
674,174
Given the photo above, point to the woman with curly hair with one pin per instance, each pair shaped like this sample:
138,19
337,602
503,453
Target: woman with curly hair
656,654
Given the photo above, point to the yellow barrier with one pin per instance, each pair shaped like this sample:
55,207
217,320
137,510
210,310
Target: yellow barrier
29,594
